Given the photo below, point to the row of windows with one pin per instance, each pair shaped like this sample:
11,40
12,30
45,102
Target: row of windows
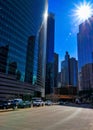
18,22
21,13
13,43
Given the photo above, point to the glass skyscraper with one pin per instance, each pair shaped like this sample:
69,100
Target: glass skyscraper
73,72
49,84
20,22
55,70
85,55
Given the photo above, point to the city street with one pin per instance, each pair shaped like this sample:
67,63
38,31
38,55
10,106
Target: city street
47,118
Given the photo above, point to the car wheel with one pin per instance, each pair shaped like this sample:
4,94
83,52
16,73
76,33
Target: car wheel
15,107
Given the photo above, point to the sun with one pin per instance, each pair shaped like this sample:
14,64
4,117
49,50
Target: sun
83,11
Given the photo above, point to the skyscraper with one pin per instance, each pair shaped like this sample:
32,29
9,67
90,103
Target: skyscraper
42,56
55,70
85,55
20,23
59,80
69,71
73,72
49,84
65,67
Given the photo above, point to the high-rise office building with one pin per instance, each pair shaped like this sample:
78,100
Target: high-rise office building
49,84
42,57
65,66
73,72
69,71
59,80
20,22
85,55
55,70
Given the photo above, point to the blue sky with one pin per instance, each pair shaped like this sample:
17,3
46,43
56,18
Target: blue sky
66,27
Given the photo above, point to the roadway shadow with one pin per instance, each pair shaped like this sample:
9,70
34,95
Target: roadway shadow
7,110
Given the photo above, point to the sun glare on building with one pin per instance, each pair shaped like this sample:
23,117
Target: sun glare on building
45,15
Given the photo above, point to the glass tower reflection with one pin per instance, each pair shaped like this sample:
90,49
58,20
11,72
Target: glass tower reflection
85,55
49,85
19,21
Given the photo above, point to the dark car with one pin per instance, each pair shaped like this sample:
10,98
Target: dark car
28,103
8,104
24,104
62,103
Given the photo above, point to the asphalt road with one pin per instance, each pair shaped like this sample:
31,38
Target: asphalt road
48,118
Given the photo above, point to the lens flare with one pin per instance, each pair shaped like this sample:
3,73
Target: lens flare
83,12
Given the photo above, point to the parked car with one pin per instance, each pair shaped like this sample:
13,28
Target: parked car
48,102
18,100
62,103
8,104
22,104
28,103
38,103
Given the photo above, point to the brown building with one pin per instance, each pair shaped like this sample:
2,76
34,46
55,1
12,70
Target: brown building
87,76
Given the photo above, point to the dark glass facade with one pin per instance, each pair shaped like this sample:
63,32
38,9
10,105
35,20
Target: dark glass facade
30,60
73,72
49,84
55,70
20,21
3,58
85,55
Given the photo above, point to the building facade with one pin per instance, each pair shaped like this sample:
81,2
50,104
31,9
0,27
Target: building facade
49,84
19,27
85,55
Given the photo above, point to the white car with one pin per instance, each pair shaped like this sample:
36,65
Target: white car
38,103
48,102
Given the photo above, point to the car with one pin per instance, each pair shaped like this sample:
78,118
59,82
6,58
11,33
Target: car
8,104
38,103
28,103
22,104
62,103
18,101
48,102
